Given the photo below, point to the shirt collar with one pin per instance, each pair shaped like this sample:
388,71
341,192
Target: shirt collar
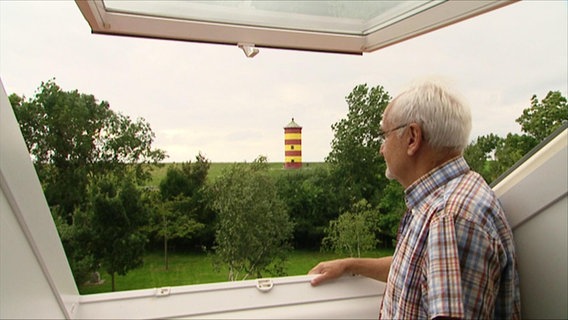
433,180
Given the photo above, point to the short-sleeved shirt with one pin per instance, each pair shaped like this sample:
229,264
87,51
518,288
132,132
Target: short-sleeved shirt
455,254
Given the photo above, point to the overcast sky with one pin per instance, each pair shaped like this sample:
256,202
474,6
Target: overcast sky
212,99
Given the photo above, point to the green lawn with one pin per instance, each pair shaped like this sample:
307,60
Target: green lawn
186,269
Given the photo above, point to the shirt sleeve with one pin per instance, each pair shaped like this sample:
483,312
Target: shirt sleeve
444,291
463,269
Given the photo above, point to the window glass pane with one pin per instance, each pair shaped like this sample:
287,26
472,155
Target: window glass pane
333,16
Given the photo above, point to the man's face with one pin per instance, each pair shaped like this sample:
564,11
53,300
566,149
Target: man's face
391,148
387,154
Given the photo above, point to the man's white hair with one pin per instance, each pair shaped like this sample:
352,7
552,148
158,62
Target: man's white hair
443,114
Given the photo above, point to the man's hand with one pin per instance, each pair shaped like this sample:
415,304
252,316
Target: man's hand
375,268
329,270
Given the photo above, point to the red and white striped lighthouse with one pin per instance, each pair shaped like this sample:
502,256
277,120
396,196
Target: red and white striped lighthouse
292,145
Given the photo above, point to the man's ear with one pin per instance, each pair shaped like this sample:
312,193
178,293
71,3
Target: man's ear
415,139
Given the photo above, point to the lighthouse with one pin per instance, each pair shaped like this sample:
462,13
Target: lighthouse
292,146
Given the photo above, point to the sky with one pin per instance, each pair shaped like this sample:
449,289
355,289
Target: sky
212,99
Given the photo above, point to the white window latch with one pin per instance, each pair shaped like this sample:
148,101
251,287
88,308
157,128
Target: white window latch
264,285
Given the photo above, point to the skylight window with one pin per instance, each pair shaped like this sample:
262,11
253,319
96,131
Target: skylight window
322,25
336,17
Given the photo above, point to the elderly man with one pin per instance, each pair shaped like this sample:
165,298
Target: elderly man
455,255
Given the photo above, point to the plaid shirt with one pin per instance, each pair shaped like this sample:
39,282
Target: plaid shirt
455,255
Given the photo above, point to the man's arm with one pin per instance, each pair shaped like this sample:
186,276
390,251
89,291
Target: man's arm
375,268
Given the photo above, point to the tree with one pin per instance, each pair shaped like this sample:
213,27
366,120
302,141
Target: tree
513,148
72,137
542,118
77,239
481,157
491,155
118,216
357,164
74,141
178,214
391,209
311,202
253,226
353,231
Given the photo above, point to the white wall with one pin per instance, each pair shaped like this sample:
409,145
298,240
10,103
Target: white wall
535,198
35,278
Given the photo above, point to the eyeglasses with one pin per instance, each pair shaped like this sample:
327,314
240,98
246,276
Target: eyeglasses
384,134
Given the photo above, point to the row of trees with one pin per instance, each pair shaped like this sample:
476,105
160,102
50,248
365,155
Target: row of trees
94,166
491,155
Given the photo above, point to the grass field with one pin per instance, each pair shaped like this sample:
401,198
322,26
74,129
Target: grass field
187,269
217,168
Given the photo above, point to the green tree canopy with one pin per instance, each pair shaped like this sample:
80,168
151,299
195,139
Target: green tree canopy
77,143
353,232
391,208
491,155
355,157
543,117
480,155
186,179
180,211
511,150
72,136
358,167
253,226
118,217
311,202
